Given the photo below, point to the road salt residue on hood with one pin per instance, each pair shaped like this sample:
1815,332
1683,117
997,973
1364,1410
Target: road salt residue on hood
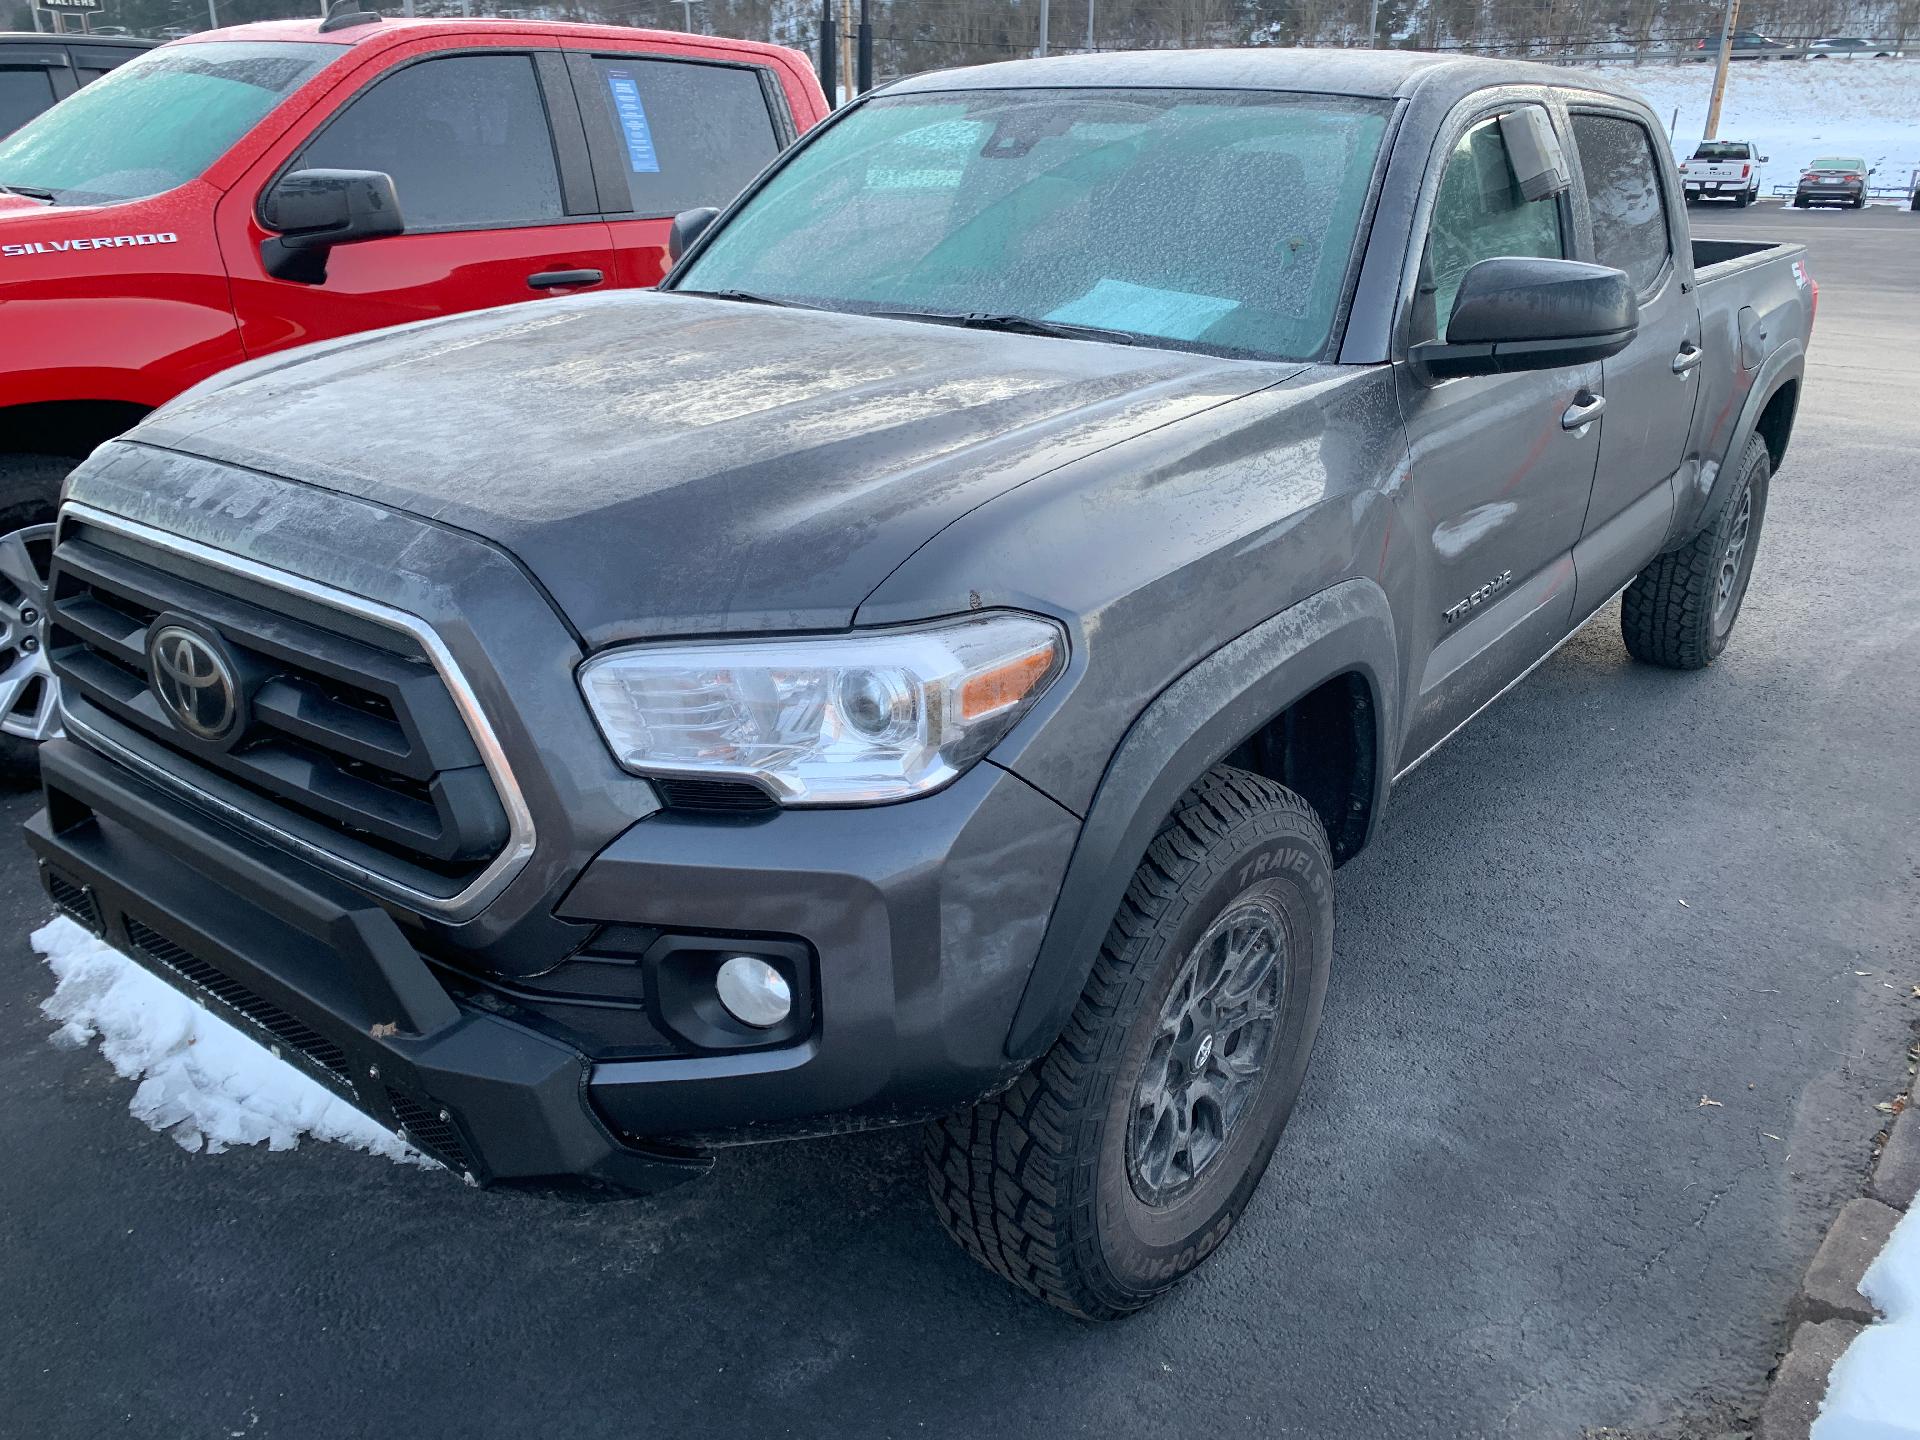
1874,1391
201,1081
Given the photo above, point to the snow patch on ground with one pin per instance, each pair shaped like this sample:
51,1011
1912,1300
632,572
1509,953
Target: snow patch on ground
1874,1392
202,1081
1795,109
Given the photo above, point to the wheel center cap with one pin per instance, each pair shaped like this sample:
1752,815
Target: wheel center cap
1204,1052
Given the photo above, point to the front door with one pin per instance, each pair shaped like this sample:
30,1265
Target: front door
491,217
1650,386
1501,464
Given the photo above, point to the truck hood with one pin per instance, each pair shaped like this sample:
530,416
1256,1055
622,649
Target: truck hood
665,464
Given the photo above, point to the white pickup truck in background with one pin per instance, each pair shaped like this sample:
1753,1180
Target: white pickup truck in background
1724,169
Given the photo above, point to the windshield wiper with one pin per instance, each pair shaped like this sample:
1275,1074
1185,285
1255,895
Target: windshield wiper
1012,325
32,192
744,296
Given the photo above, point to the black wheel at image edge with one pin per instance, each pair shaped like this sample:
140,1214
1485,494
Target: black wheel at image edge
1123,1158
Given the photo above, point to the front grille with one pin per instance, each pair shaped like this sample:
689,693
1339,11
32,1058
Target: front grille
263,1014
76,902
349,728
431,1129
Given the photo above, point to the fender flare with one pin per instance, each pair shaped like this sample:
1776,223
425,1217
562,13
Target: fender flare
1784,365
1188,728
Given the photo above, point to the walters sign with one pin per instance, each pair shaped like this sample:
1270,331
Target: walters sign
72,7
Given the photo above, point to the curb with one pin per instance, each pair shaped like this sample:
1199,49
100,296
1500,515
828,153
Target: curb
1829,1310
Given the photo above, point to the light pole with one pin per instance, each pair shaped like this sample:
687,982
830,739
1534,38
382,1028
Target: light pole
1089,27
686,11
1043,27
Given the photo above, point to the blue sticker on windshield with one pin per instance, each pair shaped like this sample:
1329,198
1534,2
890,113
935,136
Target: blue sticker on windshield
633,122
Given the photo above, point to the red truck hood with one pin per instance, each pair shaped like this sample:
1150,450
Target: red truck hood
11,204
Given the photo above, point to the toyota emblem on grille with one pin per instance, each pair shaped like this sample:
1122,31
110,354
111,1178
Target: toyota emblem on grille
193,682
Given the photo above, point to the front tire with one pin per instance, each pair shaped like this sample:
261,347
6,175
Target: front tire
1679,612
29,713
1122,1159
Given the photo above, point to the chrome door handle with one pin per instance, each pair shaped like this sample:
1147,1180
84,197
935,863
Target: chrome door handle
1586,407
1690,355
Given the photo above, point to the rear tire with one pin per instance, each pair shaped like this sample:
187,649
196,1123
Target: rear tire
1122,1159
1679,612
29,495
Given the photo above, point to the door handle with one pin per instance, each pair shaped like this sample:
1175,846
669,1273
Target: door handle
1690,355
555,279
1586,407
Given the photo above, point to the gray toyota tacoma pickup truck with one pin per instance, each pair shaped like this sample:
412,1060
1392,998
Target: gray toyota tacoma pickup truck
927,661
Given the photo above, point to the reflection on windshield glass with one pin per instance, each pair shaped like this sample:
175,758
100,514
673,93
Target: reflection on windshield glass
156,122
1216,220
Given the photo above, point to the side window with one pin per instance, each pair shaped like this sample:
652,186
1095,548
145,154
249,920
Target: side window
1479,214
1623,194
23,94
464,137
687,135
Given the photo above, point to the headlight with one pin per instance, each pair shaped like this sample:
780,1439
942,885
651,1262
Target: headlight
839,720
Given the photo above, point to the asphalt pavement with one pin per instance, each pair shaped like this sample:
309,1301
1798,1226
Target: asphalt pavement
1501,1209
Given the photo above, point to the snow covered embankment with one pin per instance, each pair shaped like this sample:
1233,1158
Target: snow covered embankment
1794,109
1874,1392
201,1081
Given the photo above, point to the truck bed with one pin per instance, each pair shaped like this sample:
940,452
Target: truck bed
1714,258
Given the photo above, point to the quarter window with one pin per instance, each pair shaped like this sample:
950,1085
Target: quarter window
1480,214
465,139
1623,196
685,135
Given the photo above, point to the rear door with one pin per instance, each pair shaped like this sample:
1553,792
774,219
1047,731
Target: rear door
670,133
1650,386
1501,464
32,78
488,160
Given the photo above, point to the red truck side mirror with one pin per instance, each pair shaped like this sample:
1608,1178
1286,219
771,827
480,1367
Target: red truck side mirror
315,210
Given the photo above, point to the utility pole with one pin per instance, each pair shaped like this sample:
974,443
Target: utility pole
846,51
1373,23
1043,27
1720,73
686,14
863,77
1089,27
213,16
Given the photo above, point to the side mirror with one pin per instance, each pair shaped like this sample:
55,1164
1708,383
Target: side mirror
315,210
1761,158
689,226
1513,313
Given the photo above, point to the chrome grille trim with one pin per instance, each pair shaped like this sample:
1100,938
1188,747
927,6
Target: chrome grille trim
520,829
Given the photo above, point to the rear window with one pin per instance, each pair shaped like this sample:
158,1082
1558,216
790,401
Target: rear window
156,122
1838,162
687,135
1725,150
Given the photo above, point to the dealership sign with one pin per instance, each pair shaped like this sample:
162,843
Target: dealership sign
72,7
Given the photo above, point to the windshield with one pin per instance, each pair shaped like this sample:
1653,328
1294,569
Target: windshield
156,122
1210,220
1724,152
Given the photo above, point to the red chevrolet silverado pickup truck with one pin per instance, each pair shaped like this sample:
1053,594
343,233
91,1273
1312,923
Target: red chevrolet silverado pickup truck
255,188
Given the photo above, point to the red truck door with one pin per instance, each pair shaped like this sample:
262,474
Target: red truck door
672,131
489,161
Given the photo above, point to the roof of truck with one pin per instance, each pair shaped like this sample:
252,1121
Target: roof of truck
1378,73
387,30
75,37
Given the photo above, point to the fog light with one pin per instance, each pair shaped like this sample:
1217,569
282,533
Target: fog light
754,992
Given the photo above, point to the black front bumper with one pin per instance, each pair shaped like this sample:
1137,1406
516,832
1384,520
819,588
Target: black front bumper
326,979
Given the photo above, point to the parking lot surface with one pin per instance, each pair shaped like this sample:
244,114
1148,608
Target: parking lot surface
1502,1207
